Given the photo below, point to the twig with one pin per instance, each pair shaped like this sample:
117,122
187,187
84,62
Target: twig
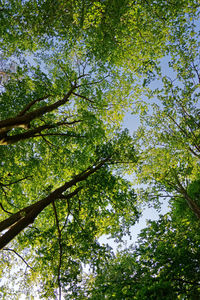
5,209
31,104
193,152
184,131
12,250
60,134
66,220
77,221
6,196
63,69
83,97
47,141
93,82
8,184
196,71
68,213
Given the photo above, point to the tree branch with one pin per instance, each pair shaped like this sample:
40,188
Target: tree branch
60,249
6,211
60,134
8,184
185,132
24,120
83,97
12,250
28,106
191,203
35,132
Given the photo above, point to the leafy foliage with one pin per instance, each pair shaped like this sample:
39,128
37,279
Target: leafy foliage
164,264
170,131
69,73
48,165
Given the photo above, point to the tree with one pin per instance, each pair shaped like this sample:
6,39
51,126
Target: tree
79,222
63,153
58,163
163,264
170,132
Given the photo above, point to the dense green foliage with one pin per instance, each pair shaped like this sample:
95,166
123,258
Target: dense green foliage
170,130
163,265
70,70
58,142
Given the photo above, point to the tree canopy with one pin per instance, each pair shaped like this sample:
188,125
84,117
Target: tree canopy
69,72
163,264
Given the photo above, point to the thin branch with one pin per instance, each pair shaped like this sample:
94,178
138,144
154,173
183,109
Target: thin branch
72,122
63,69
83,75
48,142
66,220
68,213
162,196
184,132
196,71
79,224
83,97
8,184
93,82
187,281
33,227
60,249
12,250
89,100
60,134
181,129
121,162
28,106
6,211
6,196
183,108
193,152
